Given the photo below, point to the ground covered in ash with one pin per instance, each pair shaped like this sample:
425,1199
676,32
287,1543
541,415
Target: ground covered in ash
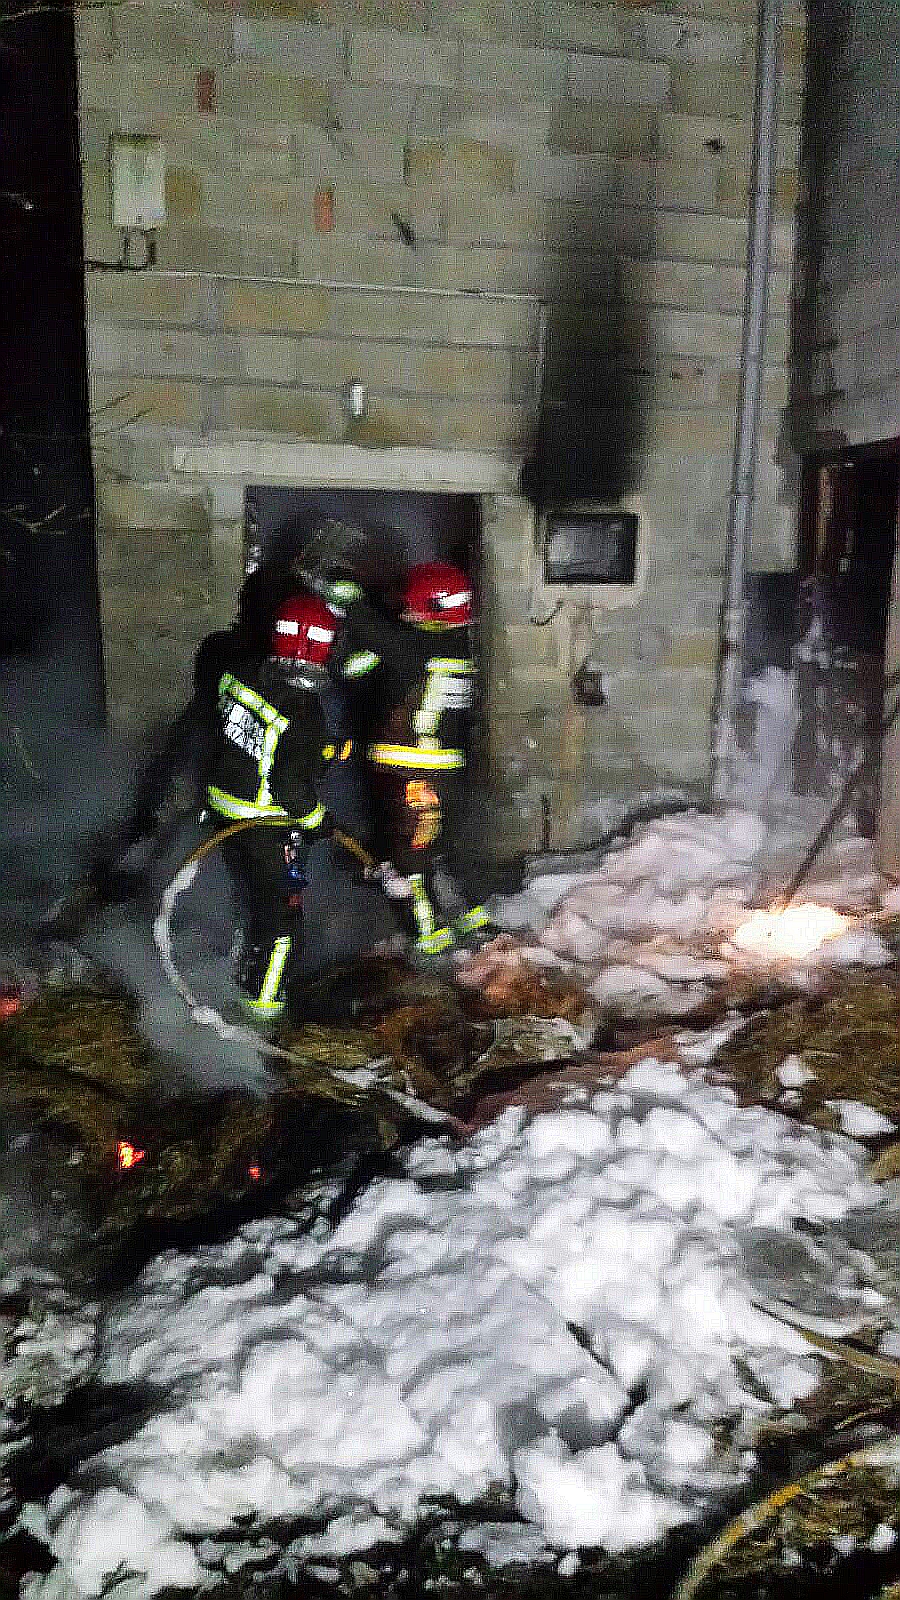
498,1290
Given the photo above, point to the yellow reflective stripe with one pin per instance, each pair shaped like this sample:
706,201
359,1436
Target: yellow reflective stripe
343,589
455,664
264,1008
436,697
312,818
230,806
270,740
423,910
360,662
248,697
415,755
329,751
275,725
271,983
475,917
431,939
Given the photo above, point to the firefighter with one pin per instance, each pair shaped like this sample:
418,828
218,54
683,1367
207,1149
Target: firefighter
191,743
409,689
273,753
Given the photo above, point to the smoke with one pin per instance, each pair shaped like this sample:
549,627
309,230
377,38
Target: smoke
202,937
764,770
66,788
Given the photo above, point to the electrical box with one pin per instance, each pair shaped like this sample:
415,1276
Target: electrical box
137,171
590,547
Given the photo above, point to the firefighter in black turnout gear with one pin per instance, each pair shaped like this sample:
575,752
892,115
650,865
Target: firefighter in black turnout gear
191,744
409,689
273,752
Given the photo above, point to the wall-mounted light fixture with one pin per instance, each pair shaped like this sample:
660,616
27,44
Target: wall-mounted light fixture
356,400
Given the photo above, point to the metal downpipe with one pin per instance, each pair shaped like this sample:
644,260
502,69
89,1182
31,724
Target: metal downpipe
756,294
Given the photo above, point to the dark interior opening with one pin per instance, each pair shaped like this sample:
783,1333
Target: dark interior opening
848,538
382,532
385,530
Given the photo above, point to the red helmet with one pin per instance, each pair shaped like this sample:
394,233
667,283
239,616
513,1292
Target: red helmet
304,630
438,593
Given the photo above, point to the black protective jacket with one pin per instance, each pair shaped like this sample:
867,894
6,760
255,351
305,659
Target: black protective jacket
272,748
407,691
191,742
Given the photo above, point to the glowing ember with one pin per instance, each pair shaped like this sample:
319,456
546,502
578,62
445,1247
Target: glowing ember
789,934
128,1155
10,1002
255,1173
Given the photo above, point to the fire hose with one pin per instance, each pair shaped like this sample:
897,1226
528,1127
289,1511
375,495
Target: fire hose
885,1453
342,1087
162,926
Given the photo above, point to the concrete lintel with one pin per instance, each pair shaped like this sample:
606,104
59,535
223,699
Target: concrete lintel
351,466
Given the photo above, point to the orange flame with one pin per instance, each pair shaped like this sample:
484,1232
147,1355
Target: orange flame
10,1002
255,1173
128,1155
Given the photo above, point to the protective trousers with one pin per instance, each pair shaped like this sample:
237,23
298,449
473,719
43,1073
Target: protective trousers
413,806
271,905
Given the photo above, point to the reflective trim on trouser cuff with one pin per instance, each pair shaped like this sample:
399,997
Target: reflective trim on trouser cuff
228,805
431,943
476,917
264,1008
423,910
431,939
271,984
415,755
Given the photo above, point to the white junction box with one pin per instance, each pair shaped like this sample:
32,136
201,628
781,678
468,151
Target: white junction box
137,172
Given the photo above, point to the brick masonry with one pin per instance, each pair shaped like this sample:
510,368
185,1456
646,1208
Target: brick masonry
484,156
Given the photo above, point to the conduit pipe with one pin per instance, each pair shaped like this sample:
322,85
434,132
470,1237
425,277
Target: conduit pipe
740,505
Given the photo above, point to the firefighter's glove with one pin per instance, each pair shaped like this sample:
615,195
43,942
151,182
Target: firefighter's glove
395,886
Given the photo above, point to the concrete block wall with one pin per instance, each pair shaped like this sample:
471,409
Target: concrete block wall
848,346
484,158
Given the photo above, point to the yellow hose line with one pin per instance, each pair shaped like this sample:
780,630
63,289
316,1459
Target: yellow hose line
885,1453
345,840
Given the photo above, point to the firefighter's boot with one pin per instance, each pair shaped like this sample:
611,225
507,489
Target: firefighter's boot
261,979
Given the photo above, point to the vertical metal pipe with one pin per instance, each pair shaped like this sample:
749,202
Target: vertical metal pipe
740,505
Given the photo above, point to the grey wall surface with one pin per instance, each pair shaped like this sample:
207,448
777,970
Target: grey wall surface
483,157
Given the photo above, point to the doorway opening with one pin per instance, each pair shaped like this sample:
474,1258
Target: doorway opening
382,531
847,541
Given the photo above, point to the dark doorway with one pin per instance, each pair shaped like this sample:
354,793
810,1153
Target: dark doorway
848,538
379,533
382,531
